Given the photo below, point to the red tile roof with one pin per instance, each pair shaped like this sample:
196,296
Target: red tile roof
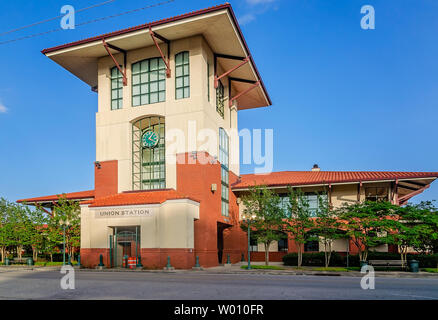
138,197
71,196
286,178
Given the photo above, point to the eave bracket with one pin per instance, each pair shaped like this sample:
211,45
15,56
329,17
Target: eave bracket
156,36
122,71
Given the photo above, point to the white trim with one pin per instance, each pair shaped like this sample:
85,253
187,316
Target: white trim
336,183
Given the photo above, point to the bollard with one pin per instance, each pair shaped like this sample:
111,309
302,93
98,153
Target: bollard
197,265
7,262
243,258
69,260
168,262
101,261
228,259
139,265
79,260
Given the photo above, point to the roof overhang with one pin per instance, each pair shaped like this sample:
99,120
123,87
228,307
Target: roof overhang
405,185
218,25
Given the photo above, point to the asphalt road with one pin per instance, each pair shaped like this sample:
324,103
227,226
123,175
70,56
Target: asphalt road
199,286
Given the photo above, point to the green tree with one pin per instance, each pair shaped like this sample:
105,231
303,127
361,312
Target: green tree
417,228
37,230
66,215
369,224
5,228
263,207
299,220
327,227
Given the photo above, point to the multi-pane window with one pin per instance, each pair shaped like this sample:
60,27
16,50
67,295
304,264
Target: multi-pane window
220,99
310,198
182,75
116,89
149,167
148,82
224,161
376,194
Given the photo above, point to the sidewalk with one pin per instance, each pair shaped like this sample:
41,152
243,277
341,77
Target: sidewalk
236,269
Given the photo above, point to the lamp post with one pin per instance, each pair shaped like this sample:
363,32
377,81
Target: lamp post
64,225
248,220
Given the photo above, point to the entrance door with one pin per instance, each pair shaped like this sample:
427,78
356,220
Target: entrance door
125,243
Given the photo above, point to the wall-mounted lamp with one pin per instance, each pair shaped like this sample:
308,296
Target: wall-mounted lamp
213,187
97,165
238,200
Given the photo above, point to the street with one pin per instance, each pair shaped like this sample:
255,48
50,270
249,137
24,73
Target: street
205,286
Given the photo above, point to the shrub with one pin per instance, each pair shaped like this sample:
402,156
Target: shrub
314,259
338,260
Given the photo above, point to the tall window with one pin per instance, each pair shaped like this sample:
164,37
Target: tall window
116,89
182,75
148,82
224,160
220,99
148,156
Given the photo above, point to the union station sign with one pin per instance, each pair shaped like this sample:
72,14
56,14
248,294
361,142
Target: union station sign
124,213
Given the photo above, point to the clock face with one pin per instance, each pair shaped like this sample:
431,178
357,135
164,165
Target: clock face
149,139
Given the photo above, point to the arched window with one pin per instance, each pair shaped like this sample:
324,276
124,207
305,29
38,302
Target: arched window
182,75
148,154
148,82
116,89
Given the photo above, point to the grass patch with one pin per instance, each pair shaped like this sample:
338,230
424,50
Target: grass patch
336,269
263,267
432,270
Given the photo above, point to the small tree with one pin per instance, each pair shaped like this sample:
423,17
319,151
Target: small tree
5,228
299,220
327,227
368,224
417,228
66,215
37,230
263,205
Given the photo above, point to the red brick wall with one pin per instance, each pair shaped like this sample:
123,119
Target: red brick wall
90,257
106,179
157,258
194,178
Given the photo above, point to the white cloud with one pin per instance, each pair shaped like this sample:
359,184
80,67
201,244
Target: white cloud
3,109
247,18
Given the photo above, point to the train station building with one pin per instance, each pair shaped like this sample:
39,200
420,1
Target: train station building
157,195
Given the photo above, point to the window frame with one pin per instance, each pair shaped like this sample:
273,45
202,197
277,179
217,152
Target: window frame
142,85
220,99
185,77
118,78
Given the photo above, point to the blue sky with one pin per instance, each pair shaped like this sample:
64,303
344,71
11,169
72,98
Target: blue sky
343,97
